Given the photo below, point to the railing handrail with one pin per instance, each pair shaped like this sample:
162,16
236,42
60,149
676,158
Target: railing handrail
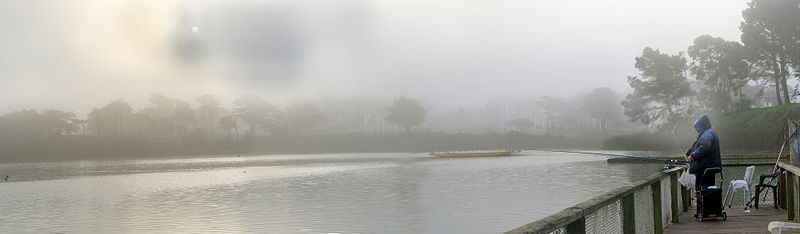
789,184
580,210
789,167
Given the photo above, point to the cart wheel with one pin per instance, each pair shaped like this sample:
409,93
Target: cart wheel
724,216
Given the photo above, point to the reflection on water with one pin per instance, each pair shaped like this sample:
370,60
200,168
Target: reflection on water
338,193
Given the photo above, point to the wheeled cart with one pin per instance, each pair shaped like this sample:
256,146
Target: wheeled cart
709,199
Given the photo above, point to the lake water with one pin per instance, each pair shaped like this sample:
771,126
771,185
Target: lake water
331,193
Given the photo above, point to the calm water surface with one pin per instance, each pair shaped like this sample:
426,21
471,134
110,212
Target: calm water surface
332,193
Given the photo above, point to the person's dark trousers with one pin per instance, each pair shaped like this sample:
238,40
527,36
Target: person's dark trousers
707,181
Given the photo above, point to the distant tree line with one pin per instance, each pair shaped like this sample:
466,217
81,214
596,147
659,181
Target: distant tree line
582,113
769,55
45,124
250,116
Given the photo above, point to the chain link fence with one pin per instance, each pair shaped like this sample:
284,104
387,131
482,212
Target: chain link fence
605,220
635,208
643,200
736,172
666,201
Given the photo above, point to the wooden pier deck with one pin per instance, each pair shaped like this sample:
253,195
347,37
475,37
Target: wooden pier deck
738,221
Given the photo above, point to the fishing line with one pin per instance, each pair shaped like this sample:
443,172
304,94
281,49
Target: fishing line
669,161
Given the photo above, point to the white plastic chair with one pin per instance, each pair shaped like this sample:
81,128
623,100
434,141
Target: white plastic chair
776,227
743,184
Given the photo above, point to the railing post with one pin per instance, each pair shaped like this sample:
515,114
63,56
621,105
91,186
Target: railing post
794,197
793,153
579,226
790,198
673,179
782,189
794,161
628,215
655,189
685,199
793,186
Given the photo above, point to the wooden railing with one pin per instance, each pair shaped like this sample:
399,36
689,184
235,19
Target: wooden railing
788,190
592,215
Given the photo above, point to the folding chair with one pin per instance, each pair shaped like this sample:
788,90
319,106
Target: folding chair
743,184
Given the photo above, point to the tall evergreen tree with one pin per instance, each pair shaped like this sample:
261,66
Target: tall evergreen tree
406,112
661,91
771,29
722,67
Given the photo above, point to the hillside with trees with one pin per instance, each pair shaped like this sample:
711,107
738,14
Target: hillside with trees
670,91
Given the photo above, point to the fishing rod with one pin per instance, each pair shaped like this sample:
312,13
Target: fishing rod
669,161
676,136
780,153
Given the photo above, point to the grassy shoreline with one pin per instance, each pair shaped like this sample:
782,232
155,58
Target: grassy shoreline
73,148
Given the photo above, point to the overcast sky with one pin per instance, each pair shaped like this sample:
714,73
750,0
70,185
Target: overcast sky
74,55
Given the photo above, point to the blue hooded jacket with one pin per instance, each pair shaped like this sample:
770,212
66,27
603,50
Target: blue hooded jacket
705,150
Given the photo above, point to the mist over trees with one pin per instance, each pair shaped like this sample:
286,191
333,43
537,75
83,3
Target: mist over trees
661,92
114,118
208,112
303,116
722,67
45,124
603,104
406,112
712,76
210,117
256,113
723,79
522,124
669,90
770,31
210,125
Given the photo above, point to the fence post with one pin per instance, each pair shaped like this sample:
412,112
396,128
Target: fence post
579,226
685,198
655,189
793,187
790,198
793,160
795,194
673,178
628,215
782,189
793,154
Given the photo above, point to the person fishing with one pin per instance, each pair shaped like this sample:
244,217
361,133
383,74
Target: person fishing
704,152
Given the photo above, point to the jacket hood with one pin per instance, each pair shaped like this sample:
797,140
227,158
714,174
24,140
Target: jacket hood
702,123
